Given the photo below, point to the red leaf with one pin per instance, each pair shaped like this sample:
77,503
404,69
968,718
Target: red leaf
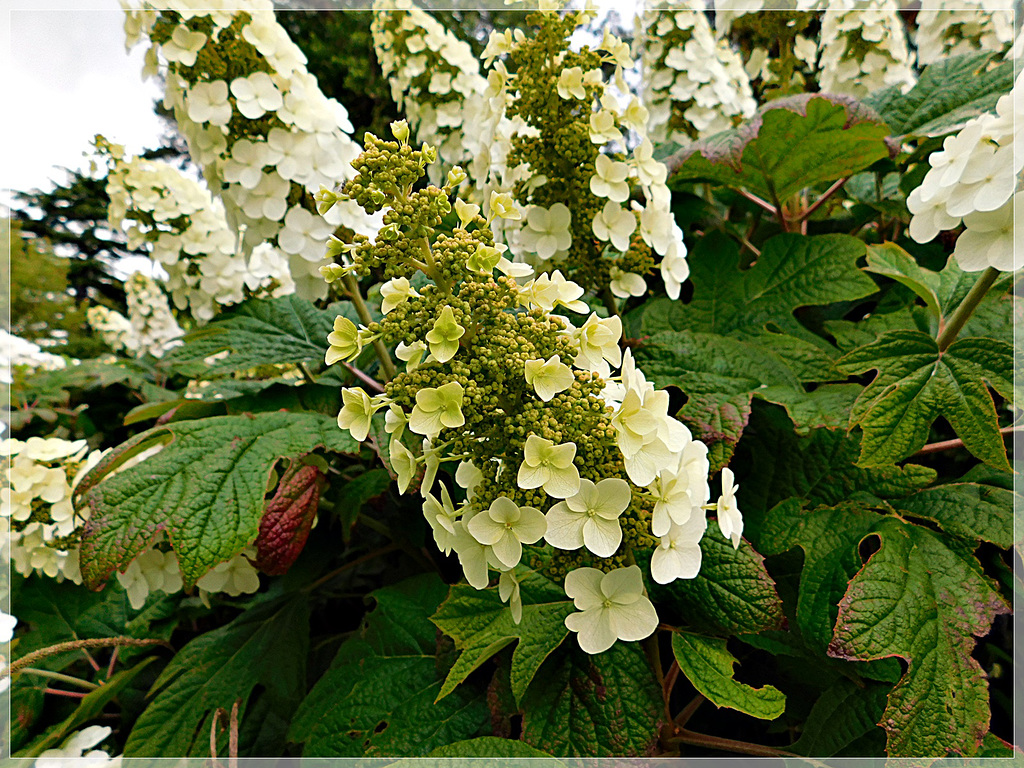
287,519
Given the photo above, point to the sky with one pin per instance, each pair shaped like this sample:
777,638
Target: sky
67,78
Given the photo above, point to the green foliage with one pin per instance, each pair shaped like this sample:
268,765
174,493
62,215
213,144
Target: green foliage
947,94
916,383
594,706
265,646
378,697
921,596
205,488
481,625
844,713
708,665
791,143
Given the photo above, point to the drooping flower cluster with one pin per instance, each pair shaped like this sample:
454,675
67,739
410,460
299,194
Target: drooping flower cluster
16,351
694,84
189,236
954,28
572,170
38,521
256,122
550,449
149,329
863,47
975,178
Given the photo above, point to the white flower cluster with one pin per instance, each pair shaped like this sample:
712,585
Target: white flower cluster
662,461
150,328
190,238
545,233
435,79
694,84
863,47
16,351
757,57
36,513
266,135
156,570
7,625
78,750
975,178
954,28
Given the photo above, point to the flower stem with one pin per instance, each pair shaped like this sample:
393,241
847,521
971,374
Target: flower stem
364,314
74,645
962,313
728,745
59,677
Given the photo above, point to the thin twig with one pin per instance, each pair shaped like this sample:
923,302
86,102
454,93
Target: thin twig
352,286
368,380
688,711
759,201
113,661
825,196
353,564
956,442
69,694
75,645
667,686
729,745
233,735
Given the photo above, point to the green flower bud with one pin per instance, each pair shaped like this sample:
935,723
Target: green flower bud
400,130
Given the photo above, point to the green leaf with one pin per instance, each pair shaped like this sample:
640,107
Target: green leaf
378,698
205,488
925,598
971,511
733,593
260,332
88,709
828,405
818,468
608,705
842,714
948,94
708,665
921,596
265,646
892,261
350,498
791,143
481,625
493,747
916,384
793,271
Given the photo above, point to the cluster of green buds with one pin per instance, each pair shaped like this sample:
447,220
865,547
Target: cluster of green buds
573,166
559,465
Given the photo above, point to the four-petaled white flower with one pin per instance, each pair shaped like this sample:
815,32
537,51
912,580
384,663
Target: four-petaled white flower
345,341
681,490
508,590
184,46
612,606
505,527
598,342
648,170
404,463
547,230
395,292
548,377
609,179
549,466
208,102
674,267
256,95
625,284
591,517
357,411
616,224
437,408
603,128
570,84
729,518
678,553
549,290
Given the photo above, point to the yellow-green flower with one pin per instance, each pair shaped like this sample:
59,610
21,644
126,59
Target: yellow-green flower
549,466
357,411
548,377
503,206
344,340
444,337
485,258
437,408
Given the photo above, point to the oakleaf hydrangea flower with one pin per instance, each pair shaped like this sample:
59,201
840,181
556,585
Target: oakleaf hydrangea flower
591,517
548,377
444,337
609,180
345,341
505,527
678,553
357,411
611,606
549,466
616,224
547,230
437,408
729,518
394,292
